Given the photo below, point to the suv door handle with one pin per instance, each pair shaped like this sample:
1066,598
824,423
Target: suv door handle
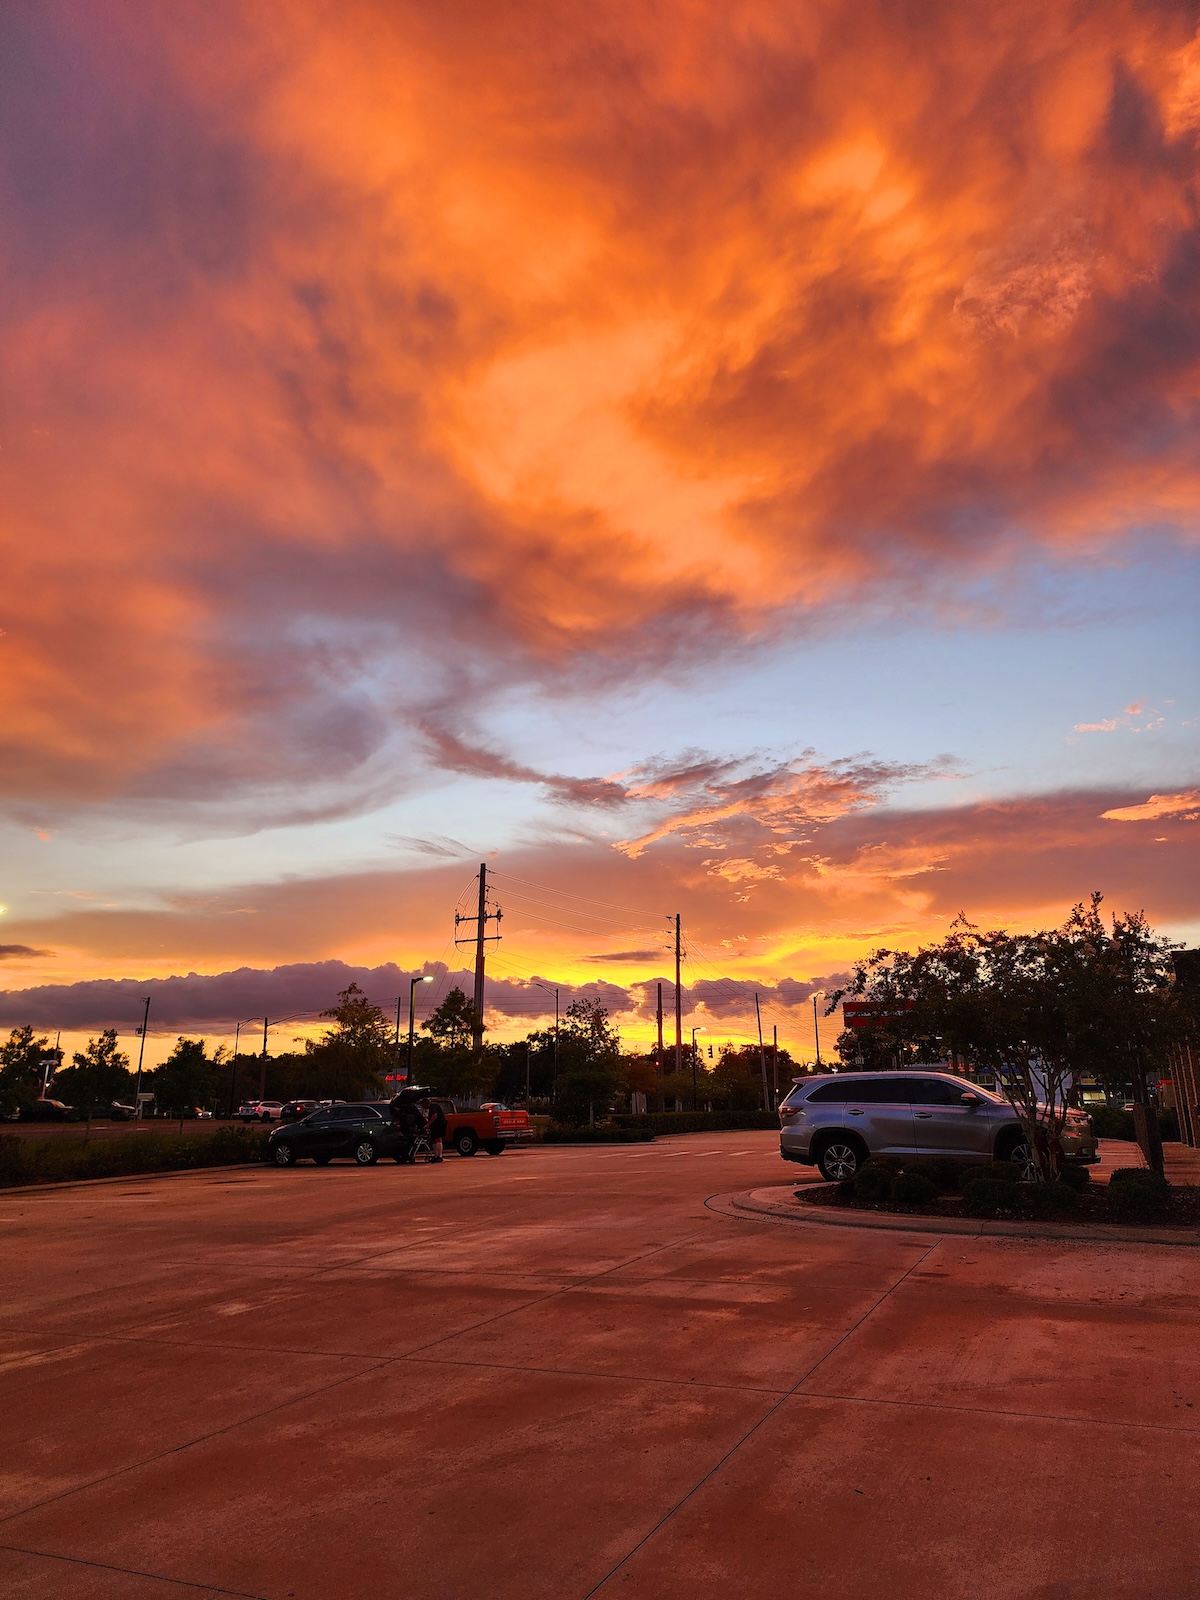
854,1113
922,1113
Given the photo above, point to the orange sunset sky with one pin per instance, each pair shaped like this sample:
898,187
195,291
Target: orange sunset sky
739,459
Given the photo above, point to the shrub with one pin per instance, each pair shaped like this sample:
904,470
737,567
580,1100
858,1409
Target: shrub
912,1189
1076,1178
1110,1122
873,1182
994,1171
941,1171
70,1160
1052,1199
987,1197
1135,1194
556,1134
697,1121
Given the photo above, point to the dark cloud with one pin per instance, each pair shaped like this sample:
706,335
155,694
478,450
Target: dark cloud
13,952
626,955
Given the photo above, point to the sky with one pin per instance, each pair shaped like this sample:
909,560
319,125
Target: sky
729,459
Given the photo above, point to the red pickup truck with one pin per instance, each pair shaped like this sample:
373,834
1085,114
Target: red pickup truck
492,1128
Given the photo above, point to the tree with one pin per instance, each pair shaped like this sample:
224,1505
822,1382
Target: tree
21,1069
735,1083
98,1075
1036,1011
351,1058
187,1078
589,1063
453,1023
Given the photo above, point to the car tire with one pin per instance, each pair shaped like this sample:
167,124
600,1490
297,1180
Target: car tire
466,1142
840,1157
1019,1153
322,1161
365,1153
496,1148
283,1155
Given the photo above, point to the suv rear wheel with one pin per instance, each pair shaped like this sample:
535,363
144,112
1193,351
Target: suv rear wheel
365,1153
840,1158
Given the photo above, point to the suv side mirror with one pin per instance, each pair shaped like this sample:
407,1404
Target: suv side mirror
969,1099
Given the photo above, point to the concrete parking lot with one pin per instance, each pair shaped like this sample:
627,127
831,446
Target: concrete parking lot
560,1374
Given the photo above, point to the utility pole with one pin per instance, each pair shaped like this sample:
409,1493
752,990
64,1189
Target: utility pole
658,1060
137,1103
816,1031
481,919
262,1071
678,1002
762,1055
528,1047
237,1033
775,1059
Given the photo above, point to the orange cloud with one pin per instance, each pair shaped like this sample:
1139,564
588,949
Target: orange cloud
438,347
1185,806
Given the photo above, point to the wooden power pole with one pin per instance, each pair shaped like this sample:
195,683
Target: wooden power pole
678,1002
481,919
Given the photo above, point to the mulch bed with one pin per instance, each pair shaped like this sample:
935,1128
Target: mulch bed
1182,1209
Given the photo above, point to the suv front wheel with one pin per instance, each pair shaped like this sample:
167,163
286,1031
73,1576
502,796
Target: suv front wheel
840,1158
365,1153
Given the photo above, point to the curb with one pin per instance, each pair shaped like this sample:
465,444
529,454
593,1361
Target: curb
13,1189
760,1203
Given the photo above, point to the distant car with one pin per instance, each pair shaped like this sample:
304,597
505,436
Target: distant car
269,1110
119,1112
297,1110
248,1111
47,1111
836,1122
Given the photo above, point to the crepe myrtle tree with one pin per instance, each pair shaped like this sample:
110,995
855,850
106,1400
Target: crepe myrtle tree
21,1057
98,1075
1034,1010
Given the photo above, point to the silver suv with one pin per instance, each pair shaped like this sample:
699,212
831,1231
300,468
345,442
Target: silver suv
836,1122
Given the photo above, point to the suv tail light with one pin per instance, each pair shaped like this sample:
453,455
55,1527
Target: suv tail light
786,1113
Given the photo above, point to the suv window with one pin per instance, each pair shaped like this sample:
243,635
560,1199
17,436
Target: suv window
832,1091
883,1090
345,1114
935,1092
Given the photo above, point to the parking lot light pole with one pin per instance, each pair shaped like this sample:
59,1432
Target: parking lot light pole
695,1031
137,1088
539,985
412,1018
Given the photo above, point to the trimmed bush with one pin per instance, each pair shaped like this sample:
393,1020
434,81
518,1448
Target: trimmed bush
996,1171
1051,1199
25,1161
873,1183
559,1135
987,1197
912,1189
698,1121
942,1171
1135,1194
1076,1178
1110,1122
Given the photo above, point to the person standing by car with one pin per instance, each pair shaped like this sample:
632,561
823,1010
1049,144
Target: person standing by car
435,1124
409,1120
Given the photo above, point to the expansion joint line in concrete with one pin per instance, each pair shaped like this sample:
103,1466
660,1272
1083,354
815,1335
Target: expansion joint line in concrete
129,1572
335,1383
761,1423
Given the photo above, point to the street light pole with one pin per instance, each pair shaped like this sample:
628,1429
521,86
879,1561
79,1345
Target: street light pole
816,1028
412,1018
538,985
695,1100
137,1090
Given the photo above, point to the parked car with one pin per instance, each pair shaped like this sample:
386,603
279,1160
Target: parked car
261,1111
118,1112
834,1122
362,1131
248,1111
297,1110
46,1110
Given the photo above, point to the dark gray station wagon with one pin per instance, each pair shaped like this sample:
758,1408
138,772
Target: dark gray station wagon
836,1122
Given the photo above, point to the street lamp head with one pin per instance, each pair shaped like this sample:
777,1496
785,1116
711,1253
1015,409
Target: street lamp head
428,978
